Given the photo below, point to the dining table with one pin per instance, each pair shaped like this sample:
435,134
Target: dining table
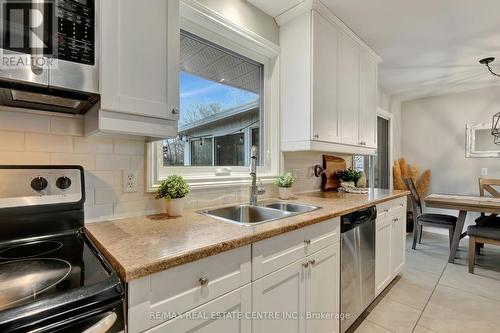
463,204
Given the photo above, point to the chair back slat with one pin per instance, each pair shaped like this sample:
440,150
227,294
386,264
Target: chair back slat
486,185
414,197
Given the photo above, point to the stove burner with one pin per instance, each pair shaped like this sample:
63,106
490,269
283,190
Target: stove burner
30,250
21,280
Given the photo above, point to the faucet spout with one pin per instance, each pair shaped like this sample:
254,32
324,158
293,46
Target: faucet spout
254,190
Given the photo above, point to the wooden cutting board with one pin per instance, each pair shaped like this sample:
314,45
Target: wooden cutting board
331,165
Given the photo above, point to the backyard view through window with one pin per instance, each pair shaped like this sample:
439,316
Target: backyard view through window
220,113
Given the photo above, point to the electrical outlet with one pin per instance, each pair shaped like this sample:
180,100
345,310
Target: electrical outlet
129,181
484,171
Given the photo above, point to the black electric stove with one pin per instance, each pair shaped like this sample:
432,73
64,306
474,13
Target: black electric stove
52,278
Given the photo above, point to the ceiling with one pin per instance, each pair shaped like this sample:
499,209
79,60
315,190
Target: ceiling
428,47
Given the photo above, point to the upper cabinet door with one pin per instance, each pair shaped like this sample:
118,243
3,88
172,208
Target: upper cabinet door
140,57
350,90
325,80
368,110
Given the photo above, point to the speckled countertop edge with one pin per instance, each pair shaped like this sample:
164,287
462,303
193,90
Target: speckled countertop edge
192,252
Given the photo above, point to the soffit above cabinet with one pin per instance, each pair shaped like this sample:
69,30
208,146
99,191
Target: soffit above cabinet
274,7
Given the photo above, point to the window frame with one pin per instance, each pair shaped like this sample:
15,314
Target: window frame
205,23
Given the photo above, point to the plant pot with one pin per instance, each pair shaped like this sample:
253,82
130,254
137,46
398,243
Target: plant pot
175,207
349,183
285,193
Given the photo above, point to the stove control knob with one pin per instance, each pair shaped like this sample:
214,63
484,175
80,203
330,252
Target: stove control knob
63,182
39,183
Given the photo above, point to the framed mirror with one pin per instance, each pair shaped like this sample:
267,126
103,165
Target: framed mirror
479,141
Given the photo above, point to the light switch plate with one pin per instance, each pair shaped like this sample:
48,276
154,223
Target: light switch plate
129,181
484,171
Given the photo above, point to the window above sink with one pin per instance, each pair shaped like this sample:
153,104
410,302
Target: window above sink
228,102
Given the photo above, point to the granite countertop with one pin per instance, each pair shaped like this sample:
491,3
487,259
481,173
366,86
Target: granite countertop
141,246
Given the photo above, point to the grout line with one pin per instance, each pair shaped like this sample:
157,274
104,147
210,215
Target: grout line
432,293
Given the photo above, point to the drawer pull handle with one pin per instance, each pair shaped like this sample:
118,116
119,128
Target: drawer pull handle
305,264
312,262
307,242
386,210
203,281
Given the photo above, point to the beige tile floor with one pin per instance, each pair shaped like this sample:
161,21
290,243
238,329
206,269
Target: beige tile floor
431,295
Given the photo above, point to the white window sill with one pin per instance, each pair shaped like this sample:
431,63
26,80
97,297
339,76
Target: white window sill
200,183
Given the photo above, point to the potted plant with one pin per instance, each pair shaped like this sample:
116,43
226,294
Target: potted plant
349,176
284,183
174,190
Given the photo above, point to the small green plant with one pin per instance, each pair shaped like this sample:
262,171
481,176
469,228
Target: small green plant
174,187
285,180
349,175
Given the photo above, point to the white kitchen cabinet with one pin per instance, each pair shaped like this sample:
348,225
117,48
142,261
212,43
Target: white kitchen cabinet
368,101
383,243
308,287
350,90
325,80
359,97
398,241
390,240
309,80
274,253
185,287
139,69
323,289
282,292
218,316
328,83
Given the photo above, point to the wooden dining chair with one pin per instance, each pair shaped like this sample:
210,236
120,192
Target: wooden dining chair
488,186
428,219
478,236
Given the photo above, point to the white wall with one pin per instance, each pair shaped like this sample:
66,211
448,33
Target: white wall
433,136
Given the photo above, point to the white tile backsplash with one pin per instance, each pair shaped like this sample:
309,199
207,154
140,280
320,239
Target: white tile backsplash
48,143
47,139
11,141
30,138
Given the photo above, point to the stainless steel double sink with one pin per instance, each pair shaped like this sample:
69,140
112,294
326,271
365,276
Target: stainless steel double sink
248,215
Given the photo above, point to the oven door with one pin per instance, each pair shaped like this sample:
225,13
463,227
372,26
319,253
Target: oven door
109,319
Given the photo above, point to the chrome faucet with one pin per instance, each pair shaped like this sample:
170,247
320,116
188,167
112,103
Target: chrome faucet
254,190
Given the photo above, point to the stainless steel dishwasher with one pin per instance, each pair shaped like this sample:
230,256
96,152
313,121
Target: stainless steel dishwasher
357,277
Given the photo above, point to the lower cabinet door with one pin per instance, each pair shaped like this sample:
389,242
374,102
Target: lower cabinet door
383,244
228,313
282,295
398,241
323,290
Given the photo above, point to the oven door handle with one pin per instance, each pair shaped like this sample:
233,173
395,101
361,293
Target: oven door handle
103,325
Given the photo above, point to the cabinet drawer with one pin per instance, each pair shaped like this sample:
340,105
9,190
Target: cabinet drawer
204,318
180,288
388,207
274,253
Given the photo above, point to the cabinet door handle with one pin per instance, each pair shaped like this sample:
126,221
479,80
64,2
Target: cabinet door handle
307,242
203,281
175,111
305,264
316,136
312,262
